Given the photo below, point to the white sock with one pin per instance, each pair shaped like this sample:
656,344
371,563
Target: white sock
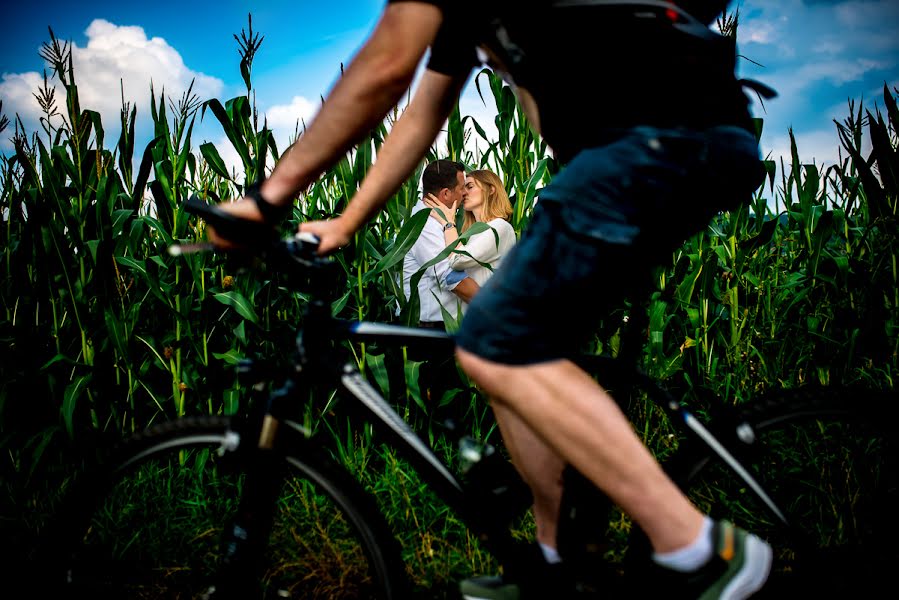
550,554
691,557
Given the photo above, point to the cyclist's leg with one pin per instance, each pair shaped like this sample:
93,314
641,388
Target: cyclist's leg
565,408
620,210
540,467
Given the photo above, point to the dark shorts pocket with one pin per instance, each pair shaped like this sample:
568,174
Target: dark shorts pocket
610,193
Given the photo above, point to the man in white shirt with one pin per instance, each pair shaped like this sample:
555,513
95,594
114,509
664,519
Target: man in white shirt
445,180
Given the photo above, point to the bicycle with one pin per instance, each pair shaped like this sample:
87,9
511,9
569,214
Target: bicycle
279,515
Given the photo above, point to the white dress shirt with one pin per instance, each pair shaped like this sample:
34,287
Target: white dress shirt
433,289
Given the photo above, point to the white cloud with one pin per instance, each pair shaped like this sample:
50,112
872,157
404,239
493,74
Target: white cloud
113,54
828,46
758,32
16,91
286,120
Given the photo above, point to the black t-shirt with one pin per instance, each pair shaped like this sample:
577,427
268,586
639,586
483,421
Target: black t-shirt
595,68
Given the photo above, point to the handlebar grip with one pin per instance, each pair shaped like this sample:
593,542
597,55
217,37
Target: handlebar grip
234,229
308,238
303,245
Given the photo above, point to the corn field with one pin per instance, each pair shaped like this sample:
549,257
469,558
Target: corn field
102,333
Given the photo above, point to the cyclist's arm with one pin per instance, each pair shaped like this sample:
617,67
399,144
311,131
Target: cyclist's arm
372,84
401,152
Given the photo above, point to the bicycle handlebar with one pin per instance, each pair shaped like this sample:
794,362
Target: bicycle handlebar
254,236
258,239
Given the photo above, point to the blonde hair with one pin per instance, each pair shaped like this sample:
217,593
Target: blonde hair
496,200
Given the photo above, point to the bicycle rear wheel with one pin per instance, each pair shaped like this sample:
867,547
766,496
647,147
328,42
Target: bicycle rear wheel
150,526
830,460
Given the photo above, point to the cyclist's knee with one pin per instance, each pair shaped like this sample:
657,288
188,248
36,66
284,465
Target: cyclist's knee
483,372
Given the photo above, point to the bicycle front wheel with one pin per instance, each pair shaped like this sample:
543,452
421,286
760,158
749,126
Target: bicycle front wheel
151,525
829,459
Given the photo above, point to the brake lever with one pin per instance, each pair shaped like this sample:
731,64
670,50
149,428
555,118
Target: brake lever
190,248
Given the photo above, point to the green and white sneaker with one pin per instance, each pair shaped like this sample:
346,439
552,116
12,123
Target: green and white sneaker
737,570
489,587
541,580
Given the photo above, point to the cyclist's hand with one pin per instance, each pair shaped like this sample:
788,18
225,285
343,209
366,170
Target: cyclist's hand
244,208
333,234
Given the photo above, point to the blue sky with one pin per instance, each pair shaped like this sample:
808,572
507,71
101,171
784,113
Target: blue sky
817,53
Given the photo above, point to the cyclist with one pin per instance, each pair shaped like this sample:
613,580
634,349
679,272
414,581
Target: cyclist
641,105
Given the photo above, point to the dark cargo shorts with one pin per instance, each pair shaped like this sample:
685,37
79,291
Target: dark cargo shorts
614,212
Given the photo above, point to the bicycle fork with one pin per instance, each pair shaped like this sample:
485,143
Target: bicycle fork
246,534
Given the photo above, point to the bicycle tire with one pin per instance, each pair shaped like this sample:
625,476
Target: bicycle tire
149,523
830,458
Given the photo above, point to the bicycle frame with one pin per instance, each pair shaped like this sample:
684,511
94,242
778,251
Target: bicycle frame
321,328
316,367
321,367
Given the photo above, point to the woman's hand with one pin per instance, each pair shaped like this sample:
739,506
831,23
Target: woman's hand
437,208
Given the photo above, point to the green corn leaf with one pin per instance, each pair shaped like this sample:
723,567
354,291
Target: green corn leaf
51,178
165,175
883,153
239,303
684,293
231,127
412,369
73,393
143,174
56,359
137,265
163,206
136,235
126,145
241,331
158,228
877,203
231,400
214,160
115,330
378,369
363,159
759,125
156,259
119,220
93,117
771,170
231,357
160,362
184,155
260,143
892,109
92,248
61,157
405,239
339,304
455,134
